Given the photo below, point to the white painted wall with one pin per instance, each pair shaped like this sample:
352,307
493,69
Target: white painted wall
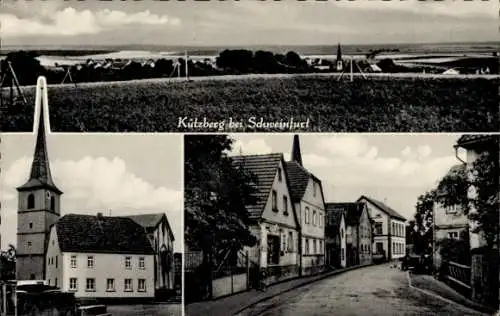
53,266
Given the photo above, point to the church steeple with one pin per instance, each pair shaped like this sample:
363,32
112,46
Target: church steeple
40,175
296,155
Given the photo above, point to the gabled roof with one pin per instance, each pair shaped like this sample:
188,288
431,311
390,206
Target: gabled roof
467,141
333,215
264,168
383,207
299,178
102,234
151,221
351,210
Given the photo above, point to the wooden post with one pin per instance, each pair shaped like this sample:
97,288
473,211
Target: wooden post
352,75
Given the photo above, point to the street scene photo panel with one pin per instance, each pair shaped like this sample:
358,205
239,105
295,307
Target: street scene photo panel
341,224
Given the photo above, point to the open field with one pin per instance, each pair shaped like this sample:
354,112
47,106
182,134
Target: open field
384,103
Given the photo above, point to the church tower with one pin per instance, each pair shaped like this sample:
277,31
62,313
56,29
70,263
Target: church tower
296,154
38,206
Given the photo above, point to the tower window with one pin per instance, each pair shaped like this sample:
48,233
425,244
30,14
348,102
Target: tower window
31,201
31,225
29,243
52,204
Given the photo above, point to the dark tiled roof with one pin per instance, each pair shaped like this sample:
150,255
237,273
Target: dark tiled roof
264,168
299,178
352,211
384,208
468,140
151,221
101,234
333,215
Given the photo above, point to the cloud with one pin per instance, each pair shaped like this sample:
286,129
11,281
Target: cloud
69,22
97,184
424,151
406,152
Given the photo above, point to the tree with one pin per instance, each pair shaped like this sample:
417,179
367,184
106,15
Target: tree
8,264
483,209
422,237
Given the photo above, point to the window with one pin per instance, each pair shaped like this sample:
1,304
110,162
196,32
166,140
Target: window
110,285
315,250
73,284
273,249
280,176
378,228
142,265
320,246
314,218
379,247
73,261
128,264
56,261
128,285
306,215
453,235
31,201
393,231
285,204
452,209
141,285
90,285
56,282
52,204
275,201
342,233
90,262
290,241
29,243
31,225
307,247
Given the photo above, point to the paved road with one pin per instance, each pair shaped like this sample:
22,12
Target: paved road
374,291
146,310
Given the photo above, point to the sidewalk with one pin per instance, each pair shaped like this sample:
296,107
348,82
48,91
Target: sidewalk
436,287
234,304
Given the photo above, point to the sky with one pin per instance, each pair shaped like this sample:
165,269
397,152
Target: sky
396,168
246,22
131,174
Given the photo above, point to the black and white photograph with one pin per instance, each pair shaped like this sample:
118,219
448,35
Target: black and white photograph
341,224
252,66
91,224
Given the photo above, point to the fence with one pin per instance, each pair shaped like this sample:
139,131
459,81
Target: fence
459,276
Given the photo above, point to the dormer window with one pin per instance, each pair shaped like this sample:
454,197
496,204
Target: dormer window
31,201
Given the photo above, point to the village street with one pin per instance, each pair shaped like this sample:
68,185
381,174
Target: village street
375,290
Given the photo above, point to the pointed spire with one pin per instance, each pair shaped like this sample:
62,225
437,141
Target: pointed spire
296,155
339,53
40,175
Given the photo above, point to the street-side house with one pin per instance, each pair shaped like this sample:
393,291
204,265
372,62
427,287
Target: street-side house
358,232
481,270
161,237
335,237
389,229
307,196
449,222
100,257
276,229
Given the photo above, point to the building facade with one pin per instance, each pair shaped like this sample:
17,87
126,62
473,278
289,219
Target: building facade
307,196
358,240
38,207
276,229
162,240
94,257
449,222
335,238
389,230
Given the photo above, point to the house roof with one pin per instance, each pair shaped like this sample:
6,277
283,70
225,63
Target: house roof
299,178
264,168
102,234
352,211
333,215
467,141
383,207
151,221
